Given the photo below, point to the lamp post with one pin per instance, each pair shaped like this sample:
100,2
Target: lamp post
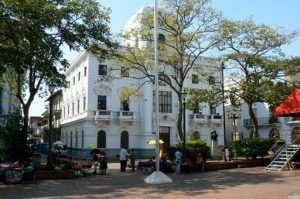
183,128
234,114
51,90
223,95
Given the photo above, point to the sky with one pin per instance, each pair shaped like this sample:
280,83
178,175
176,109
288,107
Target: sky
275,13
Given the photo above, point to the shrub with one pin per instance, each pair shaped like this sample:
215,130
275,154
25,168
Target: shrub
255,147
13,142
193,148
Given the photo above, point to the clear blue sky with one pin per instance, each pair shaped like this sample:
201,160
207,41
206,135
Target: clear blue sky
276,13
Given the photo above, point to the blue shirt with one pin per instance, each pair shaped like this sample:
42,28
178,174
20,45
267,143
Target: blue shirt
178,156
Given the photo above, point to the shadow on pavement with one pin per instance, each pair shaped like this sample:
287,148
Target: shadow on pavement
131,185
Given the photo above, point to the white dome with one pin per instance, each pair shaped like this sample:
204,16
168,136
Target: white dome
135,20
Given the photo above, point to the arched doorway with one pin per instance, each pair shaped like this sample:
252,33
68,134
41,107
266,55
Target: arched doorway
274,133
295,133
101,139
124,143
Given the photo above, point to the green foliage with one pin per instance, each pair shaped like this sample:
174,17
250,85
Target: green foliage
193,148
33,34
186,31
256,64
256,147
125,93
13,141
197,96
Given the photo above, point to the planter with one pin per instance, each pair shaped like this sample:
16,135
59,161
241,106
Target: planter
213,166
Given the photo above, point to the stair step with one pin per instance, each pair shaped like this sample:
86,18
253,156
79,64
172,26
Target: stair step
294,145
279,162
283,157
275,165
268,169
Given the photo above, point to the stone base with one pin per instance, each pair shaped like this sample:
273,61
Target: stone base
158,177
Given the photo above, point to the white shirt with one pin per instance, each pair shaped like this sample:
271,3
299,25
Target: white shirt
123,154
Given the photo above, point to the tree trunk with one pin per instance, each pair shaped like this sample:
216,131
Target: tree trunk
179,119
179,125
25,128
254,121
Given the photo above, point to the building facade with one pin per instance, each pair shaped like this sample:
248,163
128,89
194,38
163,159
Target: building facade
94,116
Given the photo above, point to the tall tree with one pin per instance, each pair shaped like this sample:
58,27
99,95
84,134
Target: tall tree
32,35
256,64
185,32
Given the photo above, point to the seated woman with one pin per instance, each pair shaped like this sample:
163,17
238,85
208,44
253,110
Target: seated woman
147,166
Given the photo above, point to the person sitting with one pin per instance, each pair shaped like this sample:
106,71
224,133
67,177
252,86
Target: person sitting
147,166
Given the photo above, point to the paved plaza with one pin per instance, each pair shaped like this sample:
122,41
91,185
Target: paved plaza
245,183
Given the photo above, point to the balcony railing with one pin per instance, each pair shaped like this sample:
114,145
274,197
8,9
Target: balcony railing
104,115
198,118
126,115
292,119
115,115
215,118
265,121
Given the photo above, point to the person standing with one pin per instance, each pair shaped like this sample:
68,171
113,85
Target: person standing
103,162
226,154
132,157
123,159
178,156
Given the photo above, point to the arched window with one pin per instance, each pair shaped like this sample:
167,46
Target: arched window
101,139
295,133
195,135
161,38
274,133
124,139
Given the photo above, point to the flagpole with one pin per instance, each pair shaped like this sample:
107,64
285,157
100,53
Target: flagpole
157,177
156,87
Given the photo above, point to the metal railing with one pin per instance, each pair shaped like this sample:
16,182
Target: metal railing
200,118
281,145
265,121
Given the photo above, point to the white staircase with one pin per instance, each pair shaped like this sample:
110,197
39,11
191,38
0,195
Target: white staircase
283,157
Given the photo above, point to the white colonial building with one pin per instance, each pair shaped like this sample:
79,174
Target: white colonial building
93,116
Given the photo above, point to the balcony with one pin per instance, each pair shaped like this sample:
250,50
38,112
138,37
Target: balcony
215,119
292,120
104,115
126,115
265,121
198,118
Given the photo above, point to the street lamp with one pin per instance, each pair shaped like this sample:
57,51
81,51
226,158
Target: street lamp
184,130
234,114
51,90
